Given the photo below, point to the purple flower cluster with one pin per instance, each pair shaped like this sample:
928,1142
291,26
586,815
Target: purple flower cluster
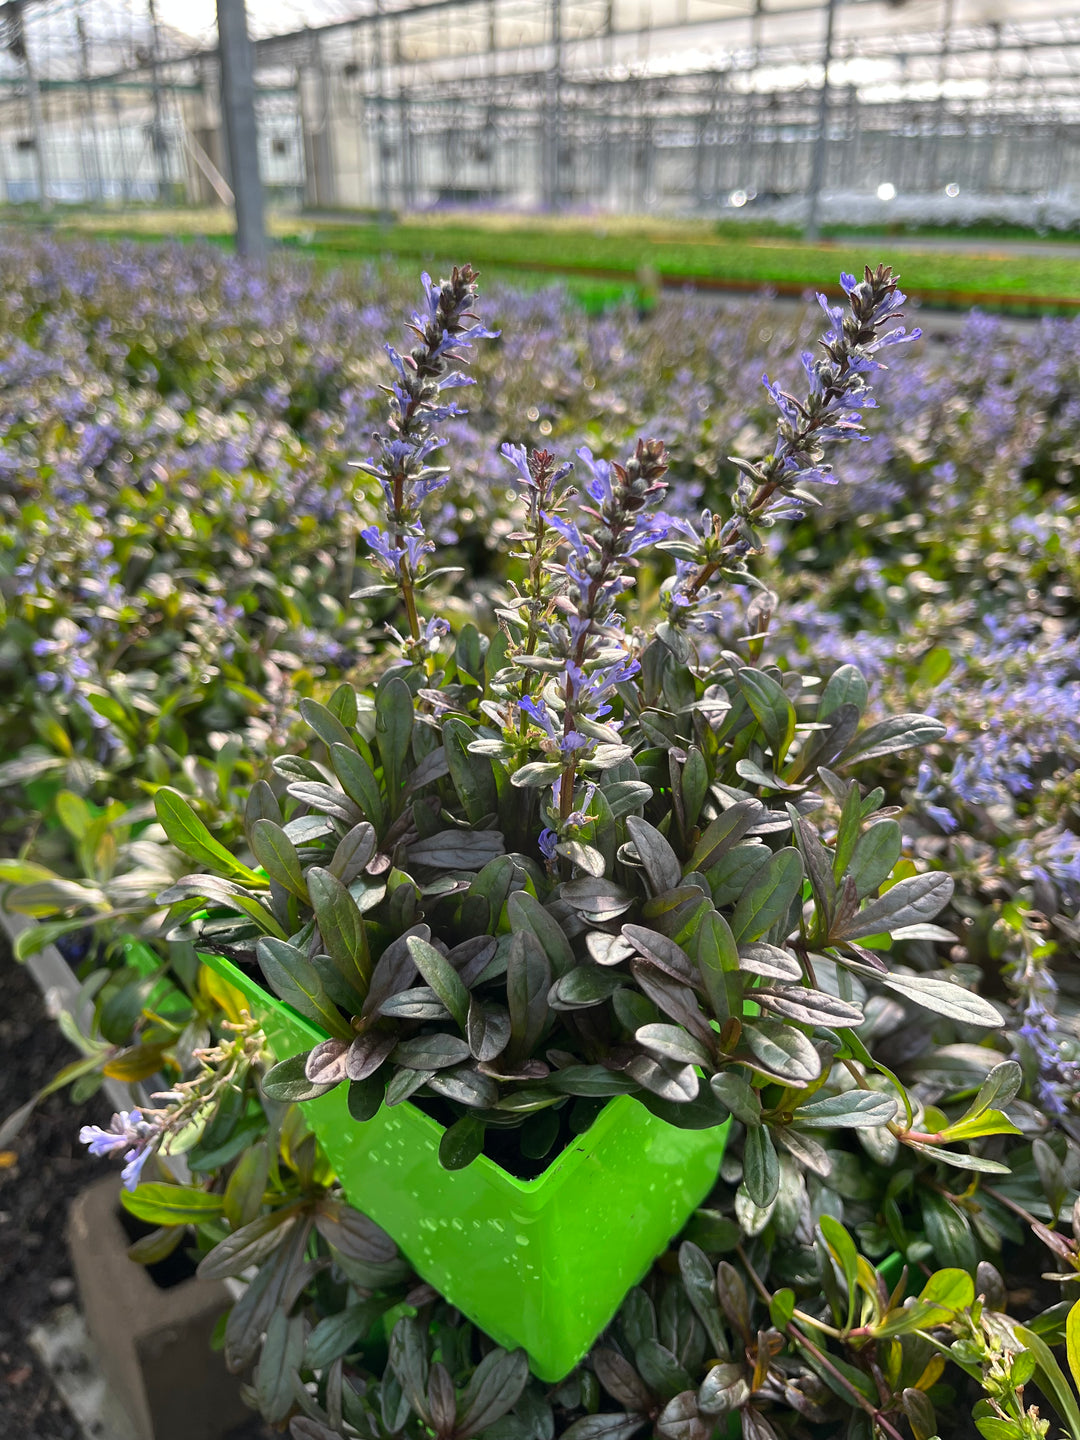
128,1135
1038,1039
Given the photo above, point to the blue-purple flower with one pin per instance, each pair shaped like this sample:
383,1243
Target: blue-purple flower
128,1134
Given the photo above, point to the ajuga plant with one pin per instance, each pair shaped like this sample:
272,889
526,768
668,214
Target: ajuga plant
573,859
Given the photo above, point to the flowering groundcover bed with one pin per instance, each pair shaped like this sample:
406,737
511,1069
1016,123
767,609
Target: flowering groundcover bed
190,556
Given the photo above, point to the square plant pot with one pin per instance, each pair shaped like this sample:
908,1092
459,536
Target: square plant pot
153,1342
539,1264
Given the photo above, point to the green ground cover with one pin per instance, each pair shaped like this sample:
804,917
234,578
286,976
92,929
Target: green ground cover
624,252
760,261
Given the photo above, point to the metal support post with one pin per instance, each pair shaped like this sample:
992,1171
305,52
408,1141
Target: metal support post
238,112
382,139
821,138
15,42
553,113
945,46
161,156
94,171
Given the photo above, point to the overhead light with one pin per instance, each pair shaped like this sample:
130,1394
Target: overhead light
886,190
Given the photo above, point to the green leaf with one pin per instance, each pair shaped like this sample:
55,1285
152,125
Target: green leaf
671,1042
661,1371
157,1246
761,1167
442,977
900,732
771,707
782,1308
341,926
843,1251
528,980
781,1051
494,1388
958,1160
941,996
1001,1085
912,901
225,893
919,1409
262,804
934,666
326,724
1051,1381
457,849
358,781
353,853
990,1122
694,784
699,1281
718,963
393,732
739,1096
876,852
950,1291
845,686
190,836
437,1051
470,775
767,899
584,986
608,1425
161,1204
625,796
818,862
244,1192
461,1143
991,1427
656,855
277,855
28,767
590,1081
1051,1173
853,1109
468,656
949,1231
1072,1342
246,1246
723,832
25,872
34,938
282,1353
525,912
809,1007
74,814
287,1081
847,832
337,1335
464,1085
366,1096
342,703
297,982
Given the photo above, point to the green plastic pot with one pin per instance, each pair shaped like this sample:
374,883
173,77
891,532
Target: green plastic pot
539,1264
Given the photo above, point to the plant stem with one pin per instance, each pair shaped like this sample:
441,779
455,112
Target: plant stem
795,1335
